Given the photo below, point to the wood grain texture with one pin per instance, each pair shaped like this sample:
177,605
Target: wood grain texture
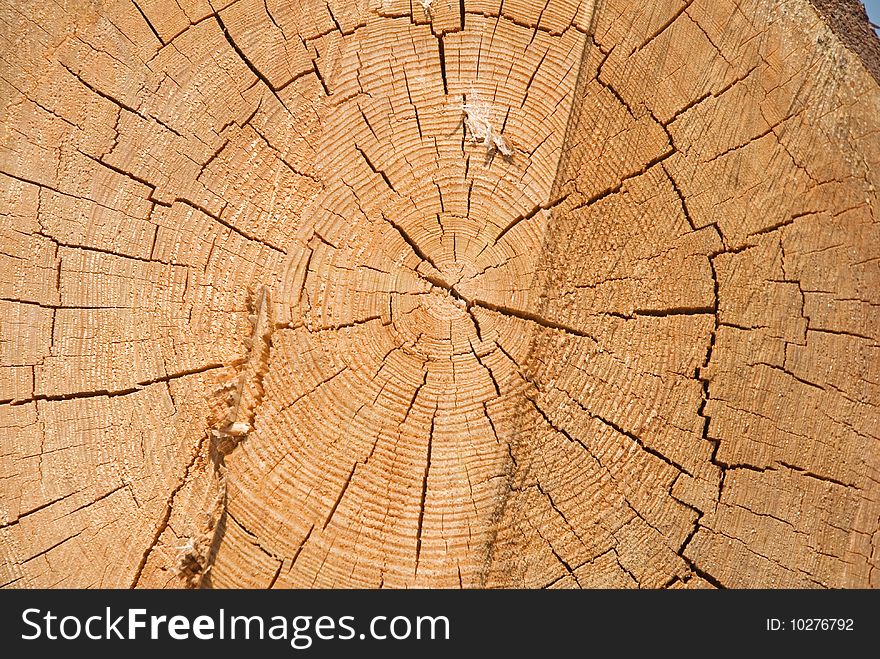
381,293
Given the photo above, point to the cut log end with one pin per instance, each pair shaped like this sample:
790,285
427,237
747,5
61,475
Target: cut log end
439,294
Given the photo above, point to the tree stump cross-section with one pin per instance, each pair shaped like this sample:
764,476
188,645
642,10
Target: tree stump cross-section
383,293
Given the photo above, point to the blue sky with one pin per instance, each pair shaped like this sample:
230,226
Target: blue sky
873,7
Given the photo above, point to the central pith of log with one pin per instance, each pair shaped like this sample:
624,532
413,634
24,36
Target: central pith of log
378,459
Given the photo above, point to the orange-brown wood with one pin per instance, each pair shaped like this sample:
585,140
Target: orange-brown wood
383,293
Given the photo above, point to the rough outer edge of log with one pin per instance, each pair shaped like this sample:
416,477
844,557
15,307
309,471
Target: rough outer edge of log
849,22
